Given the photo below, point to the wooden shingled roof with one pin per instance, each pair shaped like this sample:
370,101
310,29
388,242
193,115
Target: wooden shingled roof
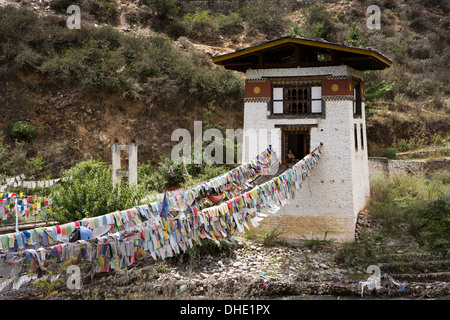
294,51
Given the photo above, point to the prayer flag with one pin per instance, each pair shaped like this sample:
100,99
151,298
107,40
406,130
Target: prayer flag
165,206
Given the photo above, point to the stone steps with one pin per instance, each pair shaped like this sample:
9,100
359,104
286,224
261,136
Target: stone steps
427,277
418,263
418,270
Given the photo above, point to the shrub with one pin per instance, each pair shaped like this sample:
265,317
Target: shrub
163,8
265,16
201,25
180,72
386,153
167,175
297,31
93,66
88,192
105,11
230,24
5,160
318,23
36,164
430,222
354,37
413,206
402,145
374,91
205,25
358,254
21,130
15,26
62,5
27,58
103,59
420,24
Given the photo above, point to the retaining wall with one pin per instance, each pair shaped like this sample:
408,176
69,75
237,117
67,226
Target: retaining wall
388,166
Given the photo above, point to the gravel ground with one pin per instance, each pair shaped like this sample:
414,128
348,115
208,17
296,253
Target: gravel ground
253,271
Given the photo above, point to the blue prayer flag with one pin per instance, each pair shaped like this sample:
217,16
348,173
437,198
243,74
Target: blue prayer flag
165,206
85,233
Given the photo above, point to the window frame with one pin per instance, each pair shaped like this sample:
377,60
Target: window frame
361,130
357,100
287,105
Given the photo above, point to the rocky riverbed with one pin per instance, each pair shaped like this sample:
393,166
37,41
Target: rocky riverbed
252,271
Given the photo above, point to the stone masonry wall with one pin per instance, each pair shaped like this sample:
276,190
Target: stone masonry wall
385,166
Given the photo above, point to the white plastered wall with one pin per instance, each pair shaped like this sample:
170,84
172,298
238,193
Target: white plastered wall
337,188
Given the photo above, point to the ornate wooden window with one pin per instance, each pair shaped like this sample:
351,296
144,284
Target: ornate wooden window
297,100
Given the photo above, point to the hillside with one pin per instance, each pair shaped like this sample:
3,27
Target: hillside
149,72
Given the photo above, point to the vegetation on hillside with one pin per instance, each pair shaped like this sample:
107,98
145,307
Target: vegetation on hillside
168,175
104,59
407,104
416,85
410,211
151,69
87,191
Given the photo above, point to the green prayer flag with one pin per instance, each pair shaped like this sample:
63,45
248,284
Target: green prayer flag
5,241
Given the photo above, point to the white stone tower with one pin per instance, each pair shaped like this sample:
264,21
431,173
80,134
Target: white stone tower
299,93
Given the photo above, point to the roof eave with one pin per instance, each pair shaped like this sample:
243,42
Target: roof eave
290,39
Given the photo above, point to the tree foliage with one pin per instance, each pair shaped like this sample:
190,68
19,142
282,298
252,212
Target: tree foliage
374,91
318,23
87,191
354,37
21,130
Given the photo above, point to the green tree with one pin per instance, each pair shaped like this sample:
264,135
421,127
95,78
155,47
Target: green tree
164,8
354,37
374,91
265,16
36,164
297,31
318,23
87,191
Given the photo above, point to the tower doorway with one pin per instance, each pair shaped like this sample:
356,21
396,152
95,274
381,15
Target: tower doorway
296,142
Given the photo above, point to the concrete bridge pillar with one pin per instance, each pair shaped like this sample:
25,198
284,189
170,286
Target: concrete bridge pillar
132,149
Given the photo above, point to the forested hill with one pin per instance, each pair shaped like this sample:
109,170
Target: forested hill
140,69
